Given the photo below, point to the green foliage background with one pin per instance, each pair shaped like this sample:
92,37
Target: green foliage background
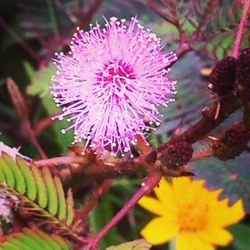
40,23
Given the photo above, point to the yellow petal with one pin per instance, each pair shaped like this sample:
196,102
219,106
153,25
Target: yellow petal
164,193
152,205
216,193
198,184
159,231
191,241
198,244
183,242
217,236
182,190
224,215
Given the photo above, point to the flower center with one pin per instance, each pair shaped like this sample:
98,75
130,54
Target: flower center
116,77
193,217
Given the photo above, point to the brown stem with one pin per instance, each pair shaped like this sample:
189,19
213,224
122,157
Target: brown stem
33,139
128,167
43,124
202,155
241,28
61,161
93,200
22,112
207,123
89,14
151,182
157,9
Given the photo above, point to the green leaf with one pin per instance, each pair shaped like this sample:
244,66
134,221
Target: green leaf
51,190
241,235
132,245
34,236
9,177
61,199
100,217
70,208
42,196
31,189
27,240
19,244
29,69
232,176
49,240
41,81
34,240
19,179
38,191
9,246
64,245
2,176
40,86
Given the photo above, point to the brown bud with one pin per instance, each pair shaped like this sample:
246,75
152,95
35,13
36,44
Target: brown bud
243,74
176,154
222,77
231,143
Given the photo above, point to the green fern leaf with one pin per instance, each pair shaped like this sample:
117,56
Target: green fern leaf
38,239
8,175
29,242
29,179
50,240
42,196
52,193
39,192
19,178
70,210
9,246
34,240
2,177
61,199
16,244
64,244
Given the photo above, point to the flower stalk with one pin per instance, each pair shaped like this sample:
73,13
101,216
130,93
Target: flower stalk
241,28
150,183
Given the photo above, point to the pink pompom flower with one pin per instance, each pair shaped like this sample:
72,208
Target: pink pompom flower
111,83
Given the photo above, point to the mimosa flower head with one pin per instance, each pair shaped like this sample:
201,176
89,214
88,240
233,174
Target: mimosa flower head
191,214
112,81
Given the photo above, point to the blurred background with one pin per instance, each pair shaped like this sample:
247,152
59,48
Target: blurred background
31,31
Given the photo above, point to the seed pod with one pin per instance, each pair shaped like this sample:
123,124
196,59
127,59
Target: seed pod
243,74
231,143
222,77
243,68
176,154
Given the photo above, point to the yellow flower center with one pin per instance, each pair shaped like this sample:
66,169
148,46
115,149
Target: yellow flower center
193,217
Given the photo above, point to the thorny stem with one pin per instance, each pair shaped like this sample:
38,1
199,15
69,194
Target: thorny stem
89,14
22,112
33,139
151,182
207,123
93,200
43,124
243,21
159,10
60,161
204,126
184,46
202,155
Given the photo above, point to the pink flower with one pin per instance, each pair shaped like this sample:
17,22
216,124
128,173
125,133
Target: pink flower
111,83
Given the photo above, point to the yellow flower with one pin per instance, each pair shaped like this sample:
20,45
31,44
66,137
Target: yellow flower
190,213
